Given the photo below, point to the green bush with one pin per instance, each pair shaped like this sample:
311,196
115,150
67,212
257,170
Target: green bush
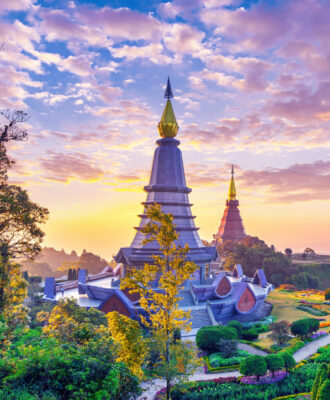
217,360
237,325
324,391
305,326
274,362
227,347
320,376
250,334
327,294
208,337
253,365
289,361
299,381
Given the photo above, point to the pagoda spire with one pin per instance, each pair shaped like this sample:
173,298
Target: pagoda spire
232,188
168,127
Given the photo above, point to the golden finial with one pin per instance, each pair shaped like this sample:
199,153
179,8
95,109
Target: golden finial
168,127
232,188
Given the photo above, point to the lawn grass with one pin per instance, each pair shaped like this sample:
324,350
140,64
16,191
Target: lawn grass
285,303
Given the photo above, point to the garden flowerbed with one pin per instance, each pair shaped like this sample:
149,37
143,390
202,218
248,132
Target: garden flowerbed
217,360
265,379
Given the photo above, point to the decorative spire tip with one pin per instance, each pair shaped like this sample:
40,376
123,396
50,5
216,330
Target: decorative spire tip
232,169
168,91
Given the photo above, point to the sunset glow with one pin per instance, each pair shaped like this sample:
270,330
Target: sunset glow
251,85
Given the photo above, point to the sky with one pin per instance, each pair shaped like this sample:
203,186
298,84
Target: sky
251,84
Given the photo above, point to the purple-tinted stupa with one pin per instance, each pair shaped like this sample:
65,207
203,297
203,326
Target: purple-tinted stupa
231,227
167,187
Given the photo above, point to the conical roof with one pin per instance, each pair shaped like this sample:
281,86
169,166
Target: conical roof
167,187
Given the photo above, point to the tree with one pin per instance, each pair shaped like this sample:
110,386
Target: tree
171,270
274,363
305,326
253,365
289,361
327,294
14,313
68,322
70,274
280,332
128,335
288,252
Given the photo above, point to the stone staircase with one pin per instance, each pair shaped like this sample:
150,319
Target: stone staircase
199,318
186,299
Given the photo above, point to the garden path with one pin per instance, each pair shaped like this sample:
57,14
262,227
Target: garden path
151,387
251,350
311,348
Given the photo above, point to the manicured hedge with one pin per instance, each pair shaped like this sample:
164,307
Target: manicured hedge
208,337
250,334
217,360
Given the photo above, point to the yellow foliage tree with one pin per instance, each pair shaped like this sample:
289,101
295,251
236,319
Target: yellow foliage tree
14,291
69,322
127,334
171,269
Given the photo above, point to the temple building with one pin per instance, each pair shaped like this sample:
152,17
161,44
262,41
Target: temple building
211,298
167,187
231,227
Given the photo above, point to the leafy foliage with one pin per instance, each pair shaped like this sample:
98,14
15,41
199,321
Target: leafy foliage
304,327
280,332
208,337
237,325
171,269
253,365
128,335
250,334
219,360
274,362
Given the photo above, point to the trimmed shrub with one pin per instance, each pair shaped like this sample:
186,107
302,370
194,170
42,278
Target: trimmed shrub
289,361
208,337
274,363
253,365
327,294
250,334
305,326
237,325
217,360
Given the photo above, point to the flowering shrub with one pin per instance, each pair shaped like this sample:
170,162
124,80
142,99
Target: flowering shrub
252,380
318,334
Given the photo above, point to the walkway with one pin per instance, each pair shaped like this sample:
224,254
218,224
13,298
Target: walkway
311,348
151,387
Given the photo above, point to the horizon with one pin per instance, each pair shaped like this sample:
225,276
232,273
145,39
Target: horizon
92,79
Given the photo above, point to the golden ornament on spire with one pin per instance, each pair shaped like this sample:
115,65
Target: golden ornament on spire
168,127
232,188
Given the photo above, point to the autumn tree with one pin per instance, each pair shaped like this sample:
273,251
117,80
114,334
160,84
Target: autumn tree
171,269
127,334
68,322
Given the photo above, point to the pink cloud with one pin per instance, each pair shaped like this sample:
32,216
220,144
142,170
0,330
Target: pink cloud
298,182
61,167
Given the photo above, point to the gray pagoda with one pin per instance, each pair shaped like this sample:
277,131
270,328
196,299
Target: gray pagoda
167,187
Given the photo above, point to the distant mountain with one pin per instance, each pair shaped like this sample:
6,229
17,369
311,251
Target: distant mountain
55,258
52,262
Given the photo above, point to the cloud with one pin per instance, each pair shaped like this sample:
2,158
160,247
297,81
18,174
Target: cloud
60,167
16,5
122,23
298,182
